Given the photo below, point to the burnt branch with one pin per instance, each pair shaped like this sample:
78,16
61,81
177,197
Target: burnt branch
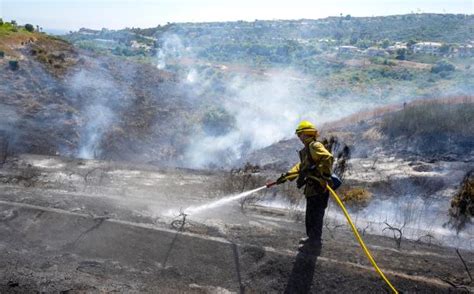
427,236
395,230
464,263
362,231
179,223
4,153
332,230
452,284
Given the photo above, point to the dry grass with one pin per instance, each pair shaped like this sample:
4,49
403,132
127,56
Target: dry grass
430,119
356,196
11,41
372,134
379,111
462,205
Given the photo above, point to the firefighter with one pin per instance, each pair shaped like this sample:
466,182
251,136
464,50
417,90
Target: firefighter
313,172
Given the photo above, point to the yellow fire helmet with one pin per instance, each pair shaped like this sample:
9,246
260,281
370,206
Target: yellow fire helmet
306,127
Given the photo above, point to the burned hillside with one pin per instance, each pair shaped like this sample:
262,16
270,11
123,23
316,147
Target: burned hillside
64,101
88,225
137,173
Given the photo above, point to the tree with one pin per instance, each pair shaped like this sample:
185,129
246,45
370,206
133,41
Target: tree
410,43
13,22
1,21
401,54
445,48
385,43
29,28
354,39
13,64
442,66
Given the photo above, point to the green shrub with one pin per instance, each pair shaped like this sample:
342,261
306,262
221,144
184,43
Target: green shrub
13,64
29,27
1,21
401,54
441,66
218,122
2,54
389,62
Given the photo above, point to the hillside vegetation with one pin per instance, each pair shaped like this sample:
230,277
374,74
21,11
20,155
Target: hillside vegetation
283,41
431,119
13,36
311,47
177,104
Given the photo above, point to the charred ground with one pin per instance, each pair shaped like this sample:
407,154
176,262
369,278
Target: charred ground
76,225
47,102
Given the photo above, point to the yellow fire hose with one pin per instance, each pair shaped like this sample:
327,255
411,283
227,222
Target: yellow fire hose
361,242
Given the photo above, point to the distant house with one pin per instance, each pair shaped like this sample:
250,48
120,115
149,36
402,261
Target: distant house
465,50
398,46
375,51
84,31
427,48
348,49
137,45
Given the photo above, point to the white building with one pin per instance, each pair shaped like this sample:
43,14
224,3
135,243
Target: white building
375,51
398,46
427,48
348,49
137,45
465,50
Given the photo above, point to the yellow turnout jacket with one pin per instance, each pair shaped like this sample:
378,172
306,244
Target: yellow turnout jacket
316,164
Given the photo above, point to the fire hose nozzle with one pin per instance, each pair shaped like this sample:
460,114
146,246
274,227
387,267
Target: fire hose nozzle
271,184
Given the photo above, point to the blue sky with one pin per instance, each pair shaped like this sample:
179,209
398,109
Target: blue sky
116,14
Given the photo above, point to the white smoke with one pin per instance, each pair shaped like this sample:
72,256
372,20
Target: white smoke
8,117
171,49
98,119
266,104
99,93
419,218
266,111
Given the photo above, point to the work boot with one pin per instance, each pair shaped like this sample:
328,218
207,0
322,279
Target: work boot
312,248
303,240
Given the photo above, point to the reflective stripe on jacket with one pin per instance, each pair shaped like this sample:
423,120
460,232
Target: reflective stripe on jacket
318,168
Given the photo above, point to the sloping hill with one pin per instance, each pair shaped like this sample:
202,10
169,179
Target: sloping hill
61,100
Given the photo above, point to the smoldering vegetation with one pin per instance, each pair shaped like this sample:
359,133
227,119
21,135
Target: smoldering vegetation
254,107
101,108
433,128
179,110
182,110
462,204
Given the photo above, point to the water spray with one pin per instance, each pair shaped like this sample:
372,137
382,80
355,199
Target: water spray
222,201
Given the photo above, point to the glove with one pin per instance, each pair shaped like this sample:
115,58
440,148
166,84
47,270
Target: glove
281,179
300,182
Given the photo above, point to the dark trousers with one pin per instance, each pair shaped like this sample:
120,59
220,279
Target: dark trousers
315,207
